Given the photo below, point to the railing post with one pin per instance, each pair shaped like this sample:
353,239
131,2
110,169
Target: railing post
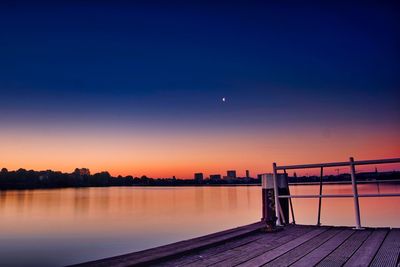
276,193
355,193
320,196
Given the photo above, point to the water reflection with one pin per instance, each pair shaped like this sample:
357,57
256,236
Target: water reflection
81,201
375,211
199,199
64,226
232,197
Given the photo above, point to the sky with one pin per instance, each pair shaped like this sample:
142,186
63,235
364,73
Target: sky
136,87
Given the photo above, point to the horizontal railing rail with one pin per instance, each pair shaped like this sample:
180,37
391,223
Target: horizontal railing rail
338,164
355,195
340,195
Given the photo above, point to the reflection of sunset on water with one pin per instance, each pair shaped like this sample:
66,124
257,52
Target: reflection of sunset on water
119,220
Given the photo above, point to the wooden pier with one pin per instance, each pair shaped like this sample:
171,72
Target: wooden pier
294,245
289,245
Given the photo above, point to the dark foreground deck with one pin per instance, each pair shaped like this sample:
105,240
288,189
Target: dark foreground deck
293,246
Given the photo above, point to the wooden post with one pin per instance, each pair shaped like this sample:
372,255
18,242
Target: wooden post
283,188
290,199
268,201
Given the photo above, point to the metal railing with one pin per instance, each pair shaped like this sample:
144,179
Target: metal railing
351,164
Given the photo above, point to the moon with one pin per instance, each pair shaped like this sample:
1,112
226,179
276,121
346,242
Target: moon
223,99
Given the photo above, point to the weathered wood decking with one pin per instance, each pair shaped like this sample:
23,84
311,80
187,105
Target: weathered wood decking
293,246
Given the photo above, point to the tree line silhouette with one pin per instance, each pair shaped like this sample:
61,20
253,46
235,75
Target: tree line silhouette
30,179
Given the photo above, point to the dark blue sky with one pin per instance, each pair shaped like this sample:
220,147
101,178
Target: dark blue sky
174,62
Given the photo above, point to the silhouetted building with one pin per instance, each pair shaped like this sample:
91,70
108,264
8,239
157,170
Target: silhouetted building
247,174
231,174
215,177
198,177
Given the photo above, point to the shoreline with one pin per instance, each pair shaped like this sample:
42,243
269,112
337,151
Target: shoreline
205,185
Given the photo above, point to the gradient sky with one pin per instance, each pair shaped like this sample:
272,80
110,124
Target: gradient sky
136,88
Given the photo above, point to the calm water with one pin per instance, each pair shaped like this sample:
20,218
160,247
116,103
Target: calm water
66,226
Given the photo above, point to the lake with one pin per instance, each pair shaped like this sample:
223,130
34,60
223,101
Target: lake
65,226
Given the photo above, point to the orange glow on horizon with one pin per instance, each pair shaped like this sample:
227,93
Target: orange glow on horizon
181,154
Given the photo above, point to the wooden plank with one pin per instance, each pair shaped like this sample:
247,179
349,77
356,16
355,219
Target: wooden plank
305,248
200,255
156,254
223,248
325,249
368,249
254,249
296,245
341,254
388,254
276,252
249,247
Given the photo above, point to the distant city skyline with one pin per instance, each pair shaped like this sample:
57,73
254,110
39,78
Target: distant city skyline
200,176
